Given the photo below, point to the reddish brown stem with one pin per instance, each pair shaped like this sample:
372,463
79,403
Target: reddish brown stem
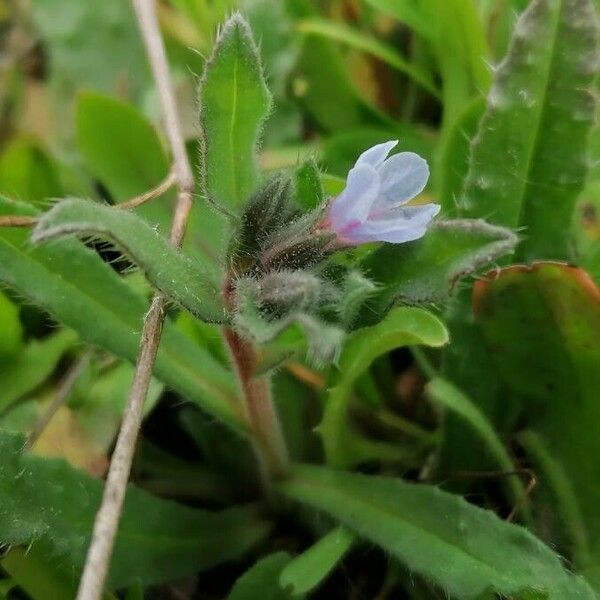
260,411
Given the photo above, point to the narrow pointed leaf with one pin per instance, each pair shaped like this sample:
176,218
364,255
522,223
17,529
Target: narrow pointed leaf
529,159
466,550
308,186
234,103
305,572
356,39
173,273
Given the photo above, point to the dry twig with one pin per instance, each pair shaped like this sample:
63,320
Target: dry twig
107,518
62,395
168,182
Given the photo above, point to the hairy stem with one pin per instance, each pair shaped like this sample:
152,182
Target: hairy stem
260,410
107,518
267,437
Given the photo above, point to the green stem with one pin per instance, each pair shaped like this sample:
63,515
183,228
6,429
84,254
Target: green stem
423,361
429,438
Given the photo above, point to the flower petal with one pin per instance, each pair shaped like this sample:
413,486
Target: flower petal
403,176
414,214
355,201
401,225
377,154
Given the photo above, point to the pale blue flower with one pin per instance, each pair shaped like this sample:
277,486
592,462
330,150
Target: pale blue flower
371,206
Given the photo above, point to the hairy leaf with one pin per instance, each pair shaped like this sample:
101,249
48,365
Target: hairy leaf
47,503
428,530
234,102
170,271
80,291
309,189
529,159
429,269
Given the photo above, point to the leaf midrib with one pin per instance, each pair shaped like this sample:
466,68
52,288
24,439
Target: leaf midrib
232,125
345,498
536,141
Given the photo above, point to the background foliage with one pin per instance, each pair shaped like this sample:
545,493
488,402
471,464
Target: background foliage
439,399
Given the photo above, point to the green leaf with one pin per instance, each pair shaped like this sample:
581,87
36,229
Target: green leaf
123,151
119,145
261,582
234,103
590,261
428,530
321,75
79,290
542,325
29,369
27,172
500,23
409,12
49,504
455,155
529,159
308,186
11,330
73,31
563,497
173,273
355,39
271,23
460,48
477,378
402,327
101,403
429,269
305,572
450,397
39,576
